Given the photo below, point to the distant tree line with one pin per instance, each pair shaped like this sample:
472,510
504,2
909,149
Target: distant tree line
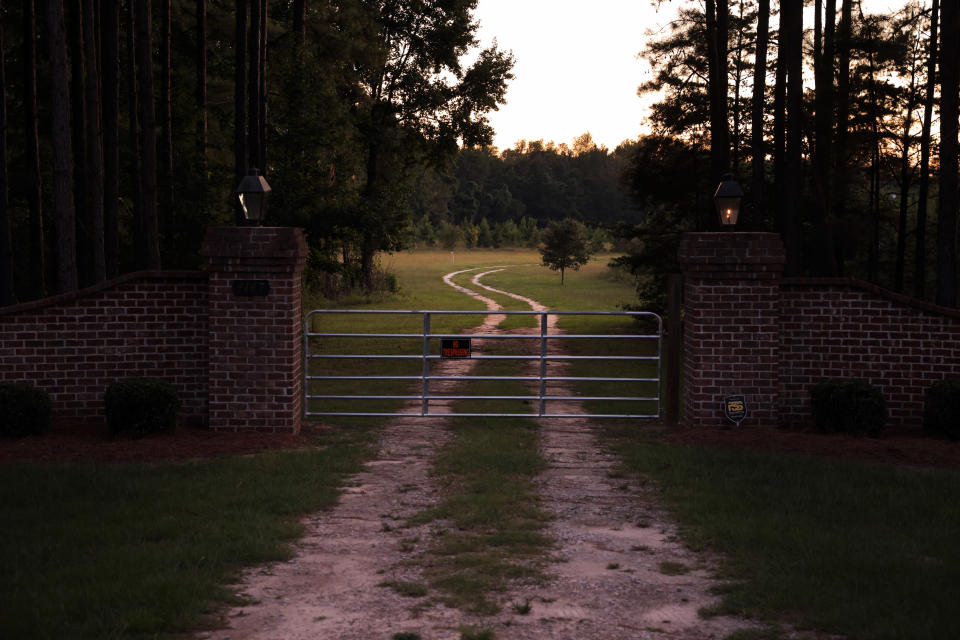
127,124
857,171
487,198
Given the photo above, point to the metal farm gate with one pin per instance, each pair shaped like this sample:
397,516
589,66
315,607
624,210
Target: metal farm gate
367,373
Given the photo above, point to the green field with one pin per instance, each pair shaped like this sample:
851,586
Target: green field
593,288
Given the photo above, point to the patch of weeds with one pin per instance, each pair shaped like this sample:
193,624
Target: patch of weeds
643,524
405,589
405,635
408,544
613,565
492,522
386,528
406,488
616,475
319,618
521,608
640,547
471,633
669,568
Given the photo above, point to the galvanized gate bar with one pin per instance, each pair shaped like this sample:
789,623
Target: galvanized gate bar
425,378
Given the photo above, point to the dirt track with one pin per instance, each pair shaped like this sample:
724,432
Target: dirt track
607,579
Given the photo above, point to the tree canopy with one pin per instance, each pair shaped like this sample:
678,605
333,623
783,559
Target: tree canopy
565,246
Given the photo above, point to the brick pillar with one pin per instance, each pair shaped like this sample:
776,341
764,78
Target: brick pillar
731,325
255,341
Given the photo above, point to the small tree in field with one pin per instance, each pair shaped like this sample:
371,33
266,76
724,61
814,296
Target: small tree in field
566,245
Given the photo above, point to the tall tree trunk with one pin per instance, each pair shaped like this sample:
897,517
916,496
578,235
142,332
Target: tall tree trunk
756,217
823,65
202,99
738,70
906,175
7,295
94,172
84,214
780,131
300,21
166,215
873,253
253,85
840,153
792,40
148,231
262,91
717,18
63,205
920,254
947,214
133,133
38,251
110,21
240,101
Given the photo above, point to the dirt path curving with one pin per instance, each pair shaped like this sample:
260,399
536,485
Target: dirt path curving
608,580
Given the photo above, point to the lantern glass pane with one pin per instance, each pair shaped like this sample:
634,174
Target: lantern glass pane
728,209
252,204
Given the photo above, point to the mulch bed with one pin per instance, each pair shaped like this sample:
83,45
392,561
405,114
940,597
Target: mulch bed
90,442
900,447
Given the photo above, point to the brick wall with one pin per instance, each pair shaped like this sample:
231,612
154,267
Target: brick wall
731,333
847,328
749,331
256,342
234,353
150,323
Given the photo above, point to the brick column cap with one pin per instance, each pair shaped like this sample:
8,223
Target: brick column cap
737,251
279,243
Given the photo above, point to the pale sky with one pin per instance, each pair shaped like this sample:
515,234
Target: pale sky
576,65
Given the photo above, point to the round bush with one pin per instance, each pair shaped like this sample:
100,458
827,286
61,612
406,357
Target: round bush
24,410
848,406
941,408
139,406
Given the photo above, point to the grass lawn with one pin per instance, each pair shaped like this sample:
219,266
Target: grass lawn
140,550
863,550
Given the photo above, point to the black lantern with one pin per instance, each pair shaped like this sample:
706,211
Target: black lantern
727,200
254,194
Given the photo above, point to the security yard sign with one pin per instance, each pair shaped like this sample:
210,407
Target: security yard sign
455,348
735,408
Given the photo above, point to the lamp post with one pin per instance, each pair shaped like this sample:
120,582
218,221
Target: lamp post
727,200
254,195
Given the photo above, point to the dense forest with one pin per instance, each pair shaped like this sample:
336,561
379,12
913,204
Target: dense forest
125,127
128,125
504,198
841,126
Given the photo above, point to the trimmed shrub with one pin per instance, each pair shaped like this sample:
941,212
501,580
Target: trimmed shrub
848,406
24,410
138,406
941,408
